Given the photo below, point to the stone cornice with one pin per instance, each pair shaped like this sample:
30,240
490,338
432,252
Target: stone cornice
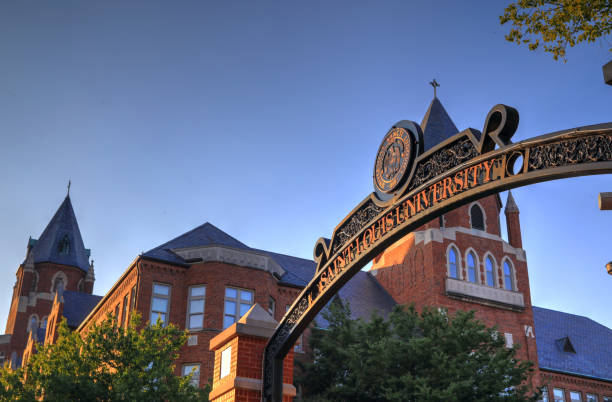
245,258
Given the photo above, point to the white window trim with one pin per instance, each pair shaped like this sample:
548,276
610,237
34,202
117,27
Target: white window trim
226,362
237,301
488,254
457,259
512,274
195,379
189,299
161,296
476,265
484,216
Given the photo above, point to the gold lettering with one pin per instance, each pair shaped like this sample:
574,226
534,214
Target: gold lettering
409,209
459,181
399,216
447,188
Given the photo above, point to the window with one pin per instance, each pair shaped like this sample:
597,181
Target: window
81,286
441,221
58,285
226,361
124,316
472,272
34,286
64,245
237,303
271,306
591,398
195,307
33,325
159,303
490,271
575,396
509,340
544,397
558,395
477,217
43,323
607,399
453,268
194,370
132,300
116,313
508,279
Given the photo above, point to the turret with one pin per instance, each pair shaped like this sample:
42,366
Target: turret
513,222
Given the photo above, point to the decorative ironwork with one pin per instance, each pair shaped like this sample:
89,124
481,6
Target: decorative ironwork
357,222
442,160
463,170
570,152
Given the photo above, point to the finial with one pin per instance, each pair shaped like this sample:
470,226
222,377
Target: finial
434,84
68,195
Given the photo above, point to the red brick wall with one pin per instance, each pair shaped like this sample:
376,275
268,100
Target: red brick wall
574,383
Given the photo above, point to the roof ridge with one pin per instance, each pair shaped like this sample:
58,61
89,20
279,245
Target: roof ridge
193,230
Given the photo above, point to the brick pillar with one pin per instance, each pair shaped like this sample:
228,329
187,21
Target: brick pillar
238,359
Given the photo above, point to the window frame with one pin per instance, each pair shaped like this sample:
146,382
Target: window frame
471,252
489,257
161,296
482,212
575,392
513,287
190,298
455,250
124,311
237,301
271,306
562,395
195,378
594,397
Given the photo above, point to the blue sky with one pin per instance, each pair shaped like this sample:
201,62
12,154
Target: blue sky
264,118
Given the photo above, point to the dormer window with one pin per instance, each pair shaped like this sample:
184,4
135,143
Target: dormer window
477,217
64,245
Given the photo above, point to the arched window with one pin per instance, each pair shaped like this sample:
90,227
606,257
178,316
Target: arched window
453,266
490,265
471,265
477,217
508,277
81,286
33,324
43,323
64,245
34,286
58,285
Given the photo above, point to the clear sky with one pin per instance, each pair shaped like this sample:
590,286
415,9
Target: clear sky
264,119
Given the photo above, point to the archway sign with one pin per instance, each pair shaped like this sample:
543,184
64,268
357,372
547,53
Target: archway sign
412,187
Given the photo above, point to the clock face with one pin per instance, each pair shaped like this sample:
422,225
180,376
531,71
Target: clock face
393,159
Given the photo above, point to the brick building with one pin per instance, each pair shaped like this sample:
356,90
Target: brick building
204,280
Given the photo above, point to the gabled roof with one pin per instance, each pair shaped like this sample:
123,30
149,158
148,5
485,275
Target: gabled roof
364,295
62,226
590,340
299,271
77,305
437,125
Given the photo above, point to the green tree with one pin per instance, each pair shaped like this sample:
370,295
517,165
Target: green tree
412,357
555,24
109,363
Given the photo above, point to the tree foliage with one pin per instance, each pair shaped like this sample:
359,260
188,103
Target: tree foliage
412,357
109,363
555,24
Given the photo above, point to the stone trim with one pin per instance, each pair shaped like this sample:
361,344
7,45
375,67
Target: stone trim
253,384
5,338
482,293
245,258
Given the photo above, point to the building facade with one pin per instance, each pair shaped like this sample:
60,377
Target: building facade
204,280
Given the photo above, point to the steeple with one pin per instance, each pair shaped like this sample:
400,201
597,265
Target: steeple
437,125
61,240
513,224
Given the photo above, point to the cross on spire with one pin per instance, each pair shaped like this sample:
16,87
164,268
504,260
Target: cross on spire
434,84
68,195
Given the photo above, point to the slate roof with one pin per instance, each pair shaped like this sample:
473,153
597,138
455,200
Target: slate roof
437,125
299,271
63,223
77,305
364,295
591,340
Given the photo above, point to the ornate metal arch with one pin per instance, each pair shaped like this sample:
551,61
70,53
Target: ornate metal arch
463,168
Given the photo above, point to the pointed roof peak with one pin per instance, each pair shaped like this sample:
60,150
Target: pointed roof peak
61,241
511,204
437,125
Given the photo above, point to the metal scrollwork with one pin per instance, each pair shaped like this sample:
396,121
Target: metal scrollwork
443,160
355,224
570,152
